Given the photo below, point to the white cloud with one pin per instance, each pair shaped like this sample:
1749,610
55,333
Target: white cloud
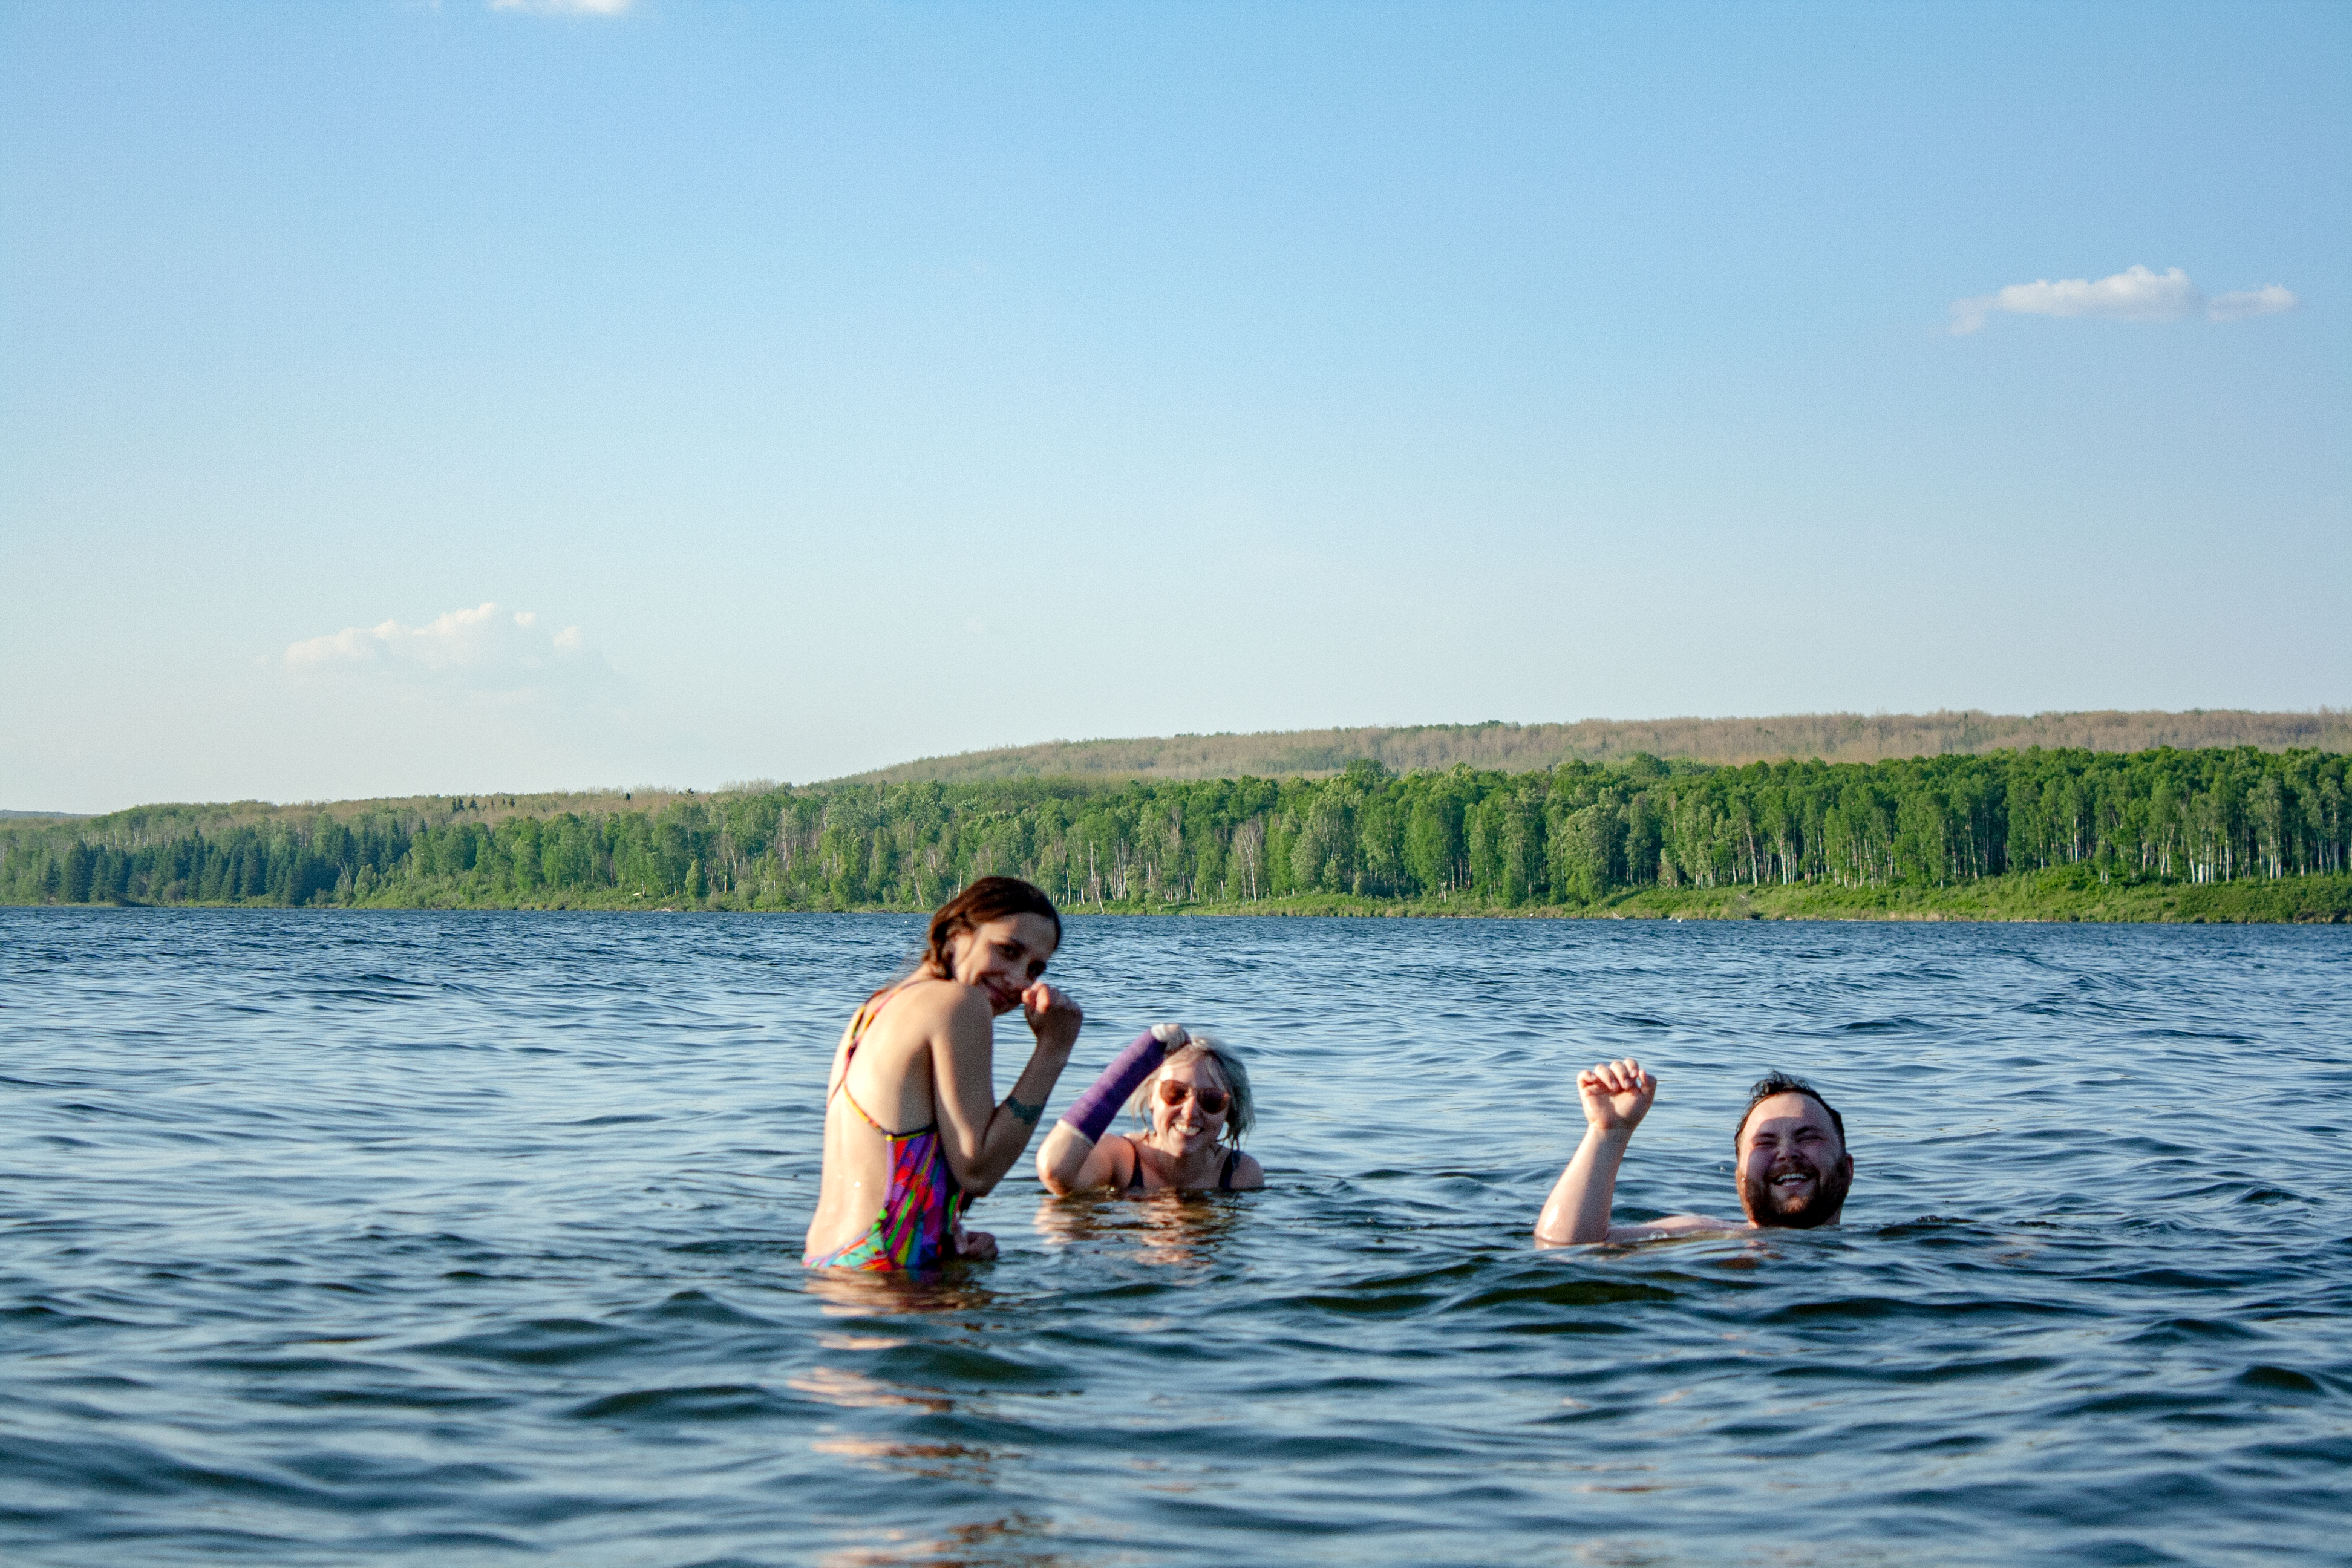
564,7
2268,301
2135,294
484,648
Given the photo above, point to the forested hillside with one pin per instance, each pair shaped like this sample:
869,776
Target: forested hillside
1531,747
1578,838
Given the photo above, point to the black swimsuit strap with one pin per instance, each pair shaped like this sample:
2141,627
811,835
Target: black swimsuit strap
1224,1173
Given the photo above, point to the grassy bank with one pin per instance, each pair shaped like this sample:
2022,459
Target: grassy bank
2067,894
2057,896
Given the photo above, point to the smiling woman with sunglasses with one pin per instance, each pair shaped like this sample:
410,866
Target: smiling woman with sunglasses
1196,1093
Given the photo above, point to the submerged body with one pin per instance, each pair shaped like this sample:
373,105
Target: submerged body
912,1131
1793,1168
917,1213
1196,1094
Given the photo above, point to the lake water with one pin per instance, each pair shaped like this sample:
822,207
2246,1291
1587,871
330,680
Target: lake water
464,1238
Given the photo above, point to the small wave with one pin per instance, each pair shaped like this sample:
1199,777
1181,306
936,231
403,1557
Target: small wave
689,1405
548,1341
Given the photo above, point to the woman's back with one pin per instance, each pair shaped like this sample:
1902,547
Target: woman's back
879,1100
912,1128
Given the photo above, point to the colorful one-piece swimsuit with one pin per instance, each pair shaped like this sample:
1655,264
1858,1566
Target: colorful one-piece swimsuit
916,1228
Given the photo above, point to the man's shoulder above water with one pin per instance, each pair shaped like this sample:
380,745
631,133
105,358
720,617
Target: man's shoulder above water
1675,1225
1792,1168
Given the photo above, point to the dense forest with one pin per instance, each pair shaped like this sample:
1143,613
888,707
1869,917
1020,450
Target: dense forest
1579,837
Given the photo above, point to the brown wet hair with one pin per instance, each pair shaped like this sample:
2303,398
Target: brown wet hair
989,899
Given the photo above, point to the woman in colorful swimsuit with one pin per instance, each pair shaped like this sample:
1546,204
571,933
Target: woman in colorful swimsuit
918,1057
1195,1092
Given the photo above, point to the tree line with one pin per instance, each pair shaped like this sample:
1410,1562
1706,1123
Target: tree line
1575,836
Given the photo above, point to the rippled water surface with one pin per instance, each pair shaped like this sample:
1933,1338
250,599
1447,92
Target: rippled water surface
474,1238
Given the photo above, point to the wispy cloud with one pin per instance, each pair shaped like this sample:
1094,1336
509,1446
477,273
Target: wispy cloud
564,7
483,649
2265,302
2135,294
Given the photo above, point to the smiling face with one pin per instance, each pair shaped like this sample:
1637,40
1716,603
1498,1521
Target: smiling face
1793,1167
1003,957
1184,1126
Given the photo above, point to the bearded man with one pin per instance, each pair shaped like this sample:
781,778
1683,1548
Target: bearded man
1793,1169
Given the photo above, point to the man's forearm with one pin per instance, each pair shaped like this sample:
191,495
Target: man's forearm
1578,1209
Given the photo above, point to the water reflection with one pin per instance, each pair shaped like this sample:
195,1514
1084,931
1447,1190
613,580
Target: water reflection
857,1390
1013,1540
1166,1228
847,1292
1006,1539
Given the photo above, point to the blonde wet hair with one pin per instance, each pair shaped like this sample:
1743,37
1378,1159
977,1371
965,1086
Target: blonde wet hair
1239,1115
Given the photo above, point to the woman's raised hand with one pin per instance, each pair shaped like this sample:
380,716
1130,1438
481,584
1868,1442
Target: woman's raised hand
1616,1095
1052,1017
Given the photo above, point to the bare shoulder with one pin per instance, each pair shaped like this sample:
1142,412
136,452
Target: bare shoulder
1124,1157
1677,1225
1248,1175
931,1004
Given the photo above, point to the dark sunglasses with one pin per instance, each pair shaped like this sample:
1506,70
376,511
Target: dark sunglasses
1212,1101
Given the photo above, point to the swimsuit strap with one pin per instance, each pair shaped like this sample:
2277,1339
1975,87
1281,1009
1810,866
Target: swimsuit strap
1224,1173
927,1127
857,1027
868,1014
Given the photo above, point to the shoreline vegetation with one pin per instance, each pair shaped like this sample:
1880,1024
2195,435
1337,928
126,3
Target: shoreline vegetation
2212,835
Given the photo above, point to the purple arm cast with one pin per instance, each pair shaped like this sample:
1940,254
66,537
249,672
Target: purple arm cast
1093,1112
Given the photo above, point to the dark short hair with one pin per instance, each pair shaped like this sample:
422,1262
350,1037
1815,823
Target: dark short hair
1774,1083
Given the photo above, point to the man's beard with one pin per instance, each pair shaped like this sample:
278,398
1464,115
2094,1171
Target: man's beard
1817,1207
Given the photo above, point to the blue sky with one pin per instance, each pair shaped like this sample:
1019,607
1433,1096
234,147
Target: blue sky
810,387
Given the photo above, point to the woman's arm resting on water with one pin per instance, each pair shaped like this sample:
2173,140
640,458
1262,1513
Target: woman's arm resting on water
1067,1164
1616,1096
1073,1158
983,1139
